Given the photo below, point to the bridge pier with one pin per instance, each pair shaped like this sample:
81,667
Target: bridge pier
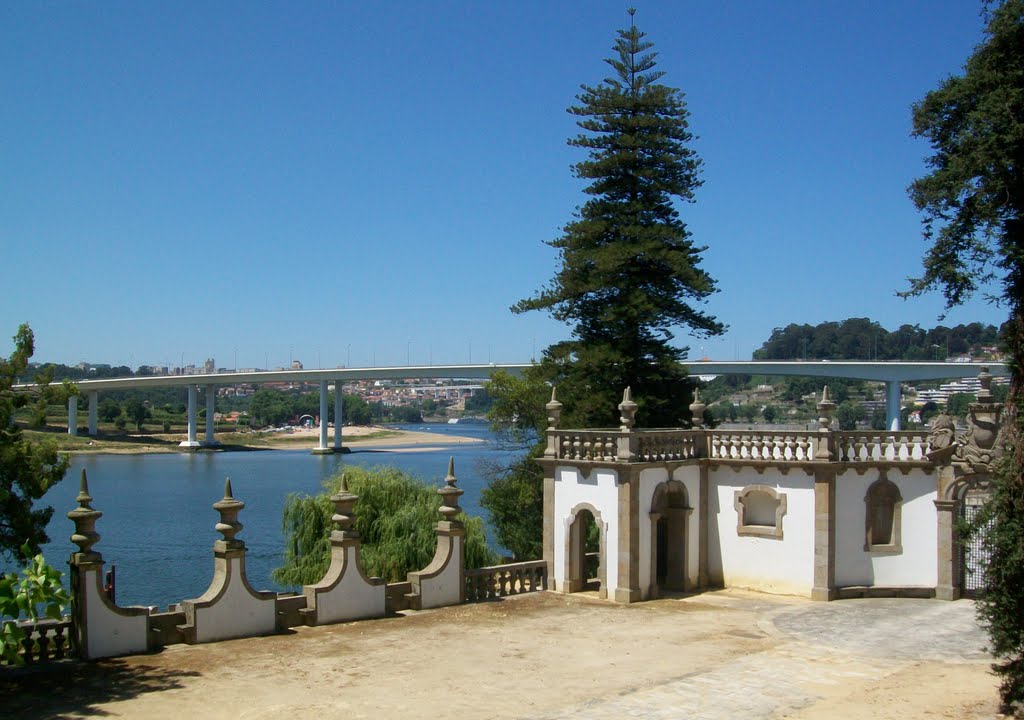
339,407
892,404
211,406
93,410
322,448
191,442
72,415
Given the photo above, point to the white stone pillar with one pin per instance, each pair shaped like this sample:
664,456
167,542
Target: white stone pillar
72,415
339,407
211,405
322,448
191,442
93,409
892,404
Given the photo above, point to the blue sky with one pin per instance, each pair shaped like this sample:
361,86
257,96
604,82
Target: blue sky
365,182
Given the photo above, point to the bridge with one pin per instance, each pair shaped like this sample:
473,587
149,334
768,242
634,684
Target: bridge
890,373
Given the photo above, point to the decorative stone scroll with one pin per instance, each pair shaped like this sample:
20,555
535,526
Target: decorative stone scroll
978,448
344,593
442,582
229,608
101,628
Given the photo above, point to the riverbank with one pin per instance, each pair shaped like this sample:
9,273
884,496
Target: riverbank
355,436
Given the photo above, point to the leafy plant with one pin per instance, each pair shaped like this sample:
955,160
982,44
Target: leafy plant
39,586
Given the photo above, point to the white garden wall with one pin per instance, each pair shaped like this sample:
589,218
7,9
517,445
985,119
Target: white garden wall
777,565
916,565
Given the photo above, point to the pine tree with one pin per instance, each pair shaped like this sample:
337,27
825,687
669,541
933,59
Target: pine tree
630,274
973,205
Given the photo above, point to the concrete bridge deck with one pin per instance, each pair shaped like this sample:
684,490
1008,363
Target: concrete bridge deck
716,656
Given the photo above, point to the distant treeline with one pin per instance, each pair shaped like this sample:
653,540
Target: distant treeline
864,339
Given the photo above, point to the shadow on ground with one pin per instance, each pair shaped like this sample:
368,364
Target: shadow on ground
75,689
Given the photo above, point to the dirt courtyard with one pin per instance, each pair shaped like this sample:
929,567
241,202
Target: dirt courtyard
725,654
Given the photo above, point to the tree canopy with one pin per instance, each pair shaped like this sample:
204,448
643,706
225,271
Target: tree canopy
972,202
27,469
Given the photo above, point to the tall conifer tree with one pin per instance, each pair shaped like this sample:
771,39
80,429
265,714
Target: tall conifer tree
630,274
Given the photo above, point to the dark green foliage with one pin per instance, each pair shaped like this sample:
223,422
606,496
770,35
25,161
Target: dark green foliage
396,516
864,339
136,411
514,498
849,413
27,470
972,203
109,410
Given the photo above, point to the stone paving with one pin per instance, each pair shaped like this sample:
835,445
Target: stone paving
820,645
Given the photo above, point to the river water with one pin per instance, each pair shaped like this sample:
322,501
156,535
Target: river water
157,524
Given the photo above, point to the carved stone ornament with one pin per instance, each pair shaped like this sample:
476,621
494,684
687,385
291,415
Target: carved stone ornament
627,410
450,494
979,447
941,438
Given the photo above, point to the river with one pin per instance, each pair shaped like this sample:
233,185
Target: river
157,524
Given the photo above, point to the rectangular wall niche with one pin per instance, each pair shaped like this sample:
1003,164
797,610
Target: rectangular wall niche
759,511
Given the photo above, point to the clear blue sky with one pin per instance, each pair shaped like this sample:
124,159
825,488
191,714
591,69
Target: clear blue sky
355,182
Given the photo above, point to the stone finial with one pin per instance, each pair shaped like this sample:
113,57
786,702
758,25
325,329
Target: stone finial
344,512
554,409
627,408
450,494
825,409
85,517
697,409
985,380
229,507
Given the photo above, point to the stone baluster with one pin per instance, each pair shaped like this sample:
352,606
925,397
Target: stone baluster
554,409
100,628
627,447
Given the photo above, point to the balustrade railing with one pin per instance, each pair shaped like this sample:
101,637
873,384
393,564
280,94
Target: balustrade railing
587,444
739,445
878,446
769,446
503,580
658,445
45,640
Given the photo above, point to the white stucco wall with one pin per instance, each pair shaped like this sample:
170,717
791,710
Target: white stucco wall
353,598
236,613
599,489
444,588
776,565
649,481
917,564
109,633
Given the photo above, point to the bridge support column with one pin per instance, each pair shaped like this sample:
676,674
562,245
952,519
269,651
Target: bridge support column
892,404
93,410
211,409
339,407
72,415
191,442
322,448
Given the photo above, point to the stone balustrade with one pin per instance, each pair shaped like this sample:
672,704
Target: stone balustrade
594,445
503,580
45,640
766,446
874,446
661,445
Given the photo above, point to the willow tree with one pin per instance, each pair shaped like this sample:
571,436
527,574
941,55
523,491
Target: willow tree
396,516
972,203
630,274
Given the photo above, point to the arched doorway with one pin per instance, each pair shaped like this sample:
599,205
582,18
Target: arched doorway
585,550
669,510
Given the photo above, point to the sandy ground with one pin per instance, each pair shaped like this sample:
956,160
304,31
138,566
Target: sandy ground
717,655
356,436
